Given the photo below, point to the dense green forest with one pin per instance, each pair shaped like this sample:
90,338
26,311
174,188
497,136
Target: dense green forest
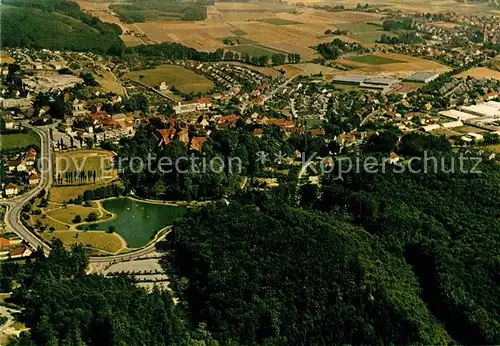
273,274
446,225
56,24
158,10
63,306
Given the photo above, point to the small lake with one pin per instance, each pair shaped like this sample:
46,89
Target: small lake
137,222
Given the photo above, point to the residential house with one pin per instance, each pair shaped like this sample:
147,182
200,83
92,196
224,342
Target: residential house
197,143
11,190
393,158
20,251
9,123
33,179
16,165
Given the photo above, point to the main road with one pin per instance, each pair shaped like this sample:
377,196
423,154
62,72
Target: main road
15,206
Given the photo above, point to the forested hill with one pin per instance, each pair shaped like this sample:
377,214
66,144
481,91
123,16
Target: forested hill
277,275
58,25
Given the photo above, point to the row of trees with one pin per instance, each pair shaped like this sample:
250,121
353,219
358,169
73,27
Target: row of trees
74,177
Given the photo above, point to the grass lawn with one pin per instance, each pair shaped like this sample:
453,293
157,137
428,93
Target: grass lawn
47,222
18,140
183,79
62,194
254,50
100,161
374,60
279,21
109,242
67,214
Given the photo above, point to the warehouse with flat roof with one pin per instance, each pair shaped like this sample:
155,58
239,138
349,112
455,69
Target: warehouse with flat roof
422,77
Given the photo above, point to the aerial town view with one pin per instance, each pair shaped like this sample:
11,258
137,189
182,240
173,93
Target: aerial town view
261,172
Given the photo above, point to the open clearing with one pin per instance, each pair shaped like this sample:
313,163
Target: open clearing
18,140
406,65
480,73
100,161
374,60
183,79
108,82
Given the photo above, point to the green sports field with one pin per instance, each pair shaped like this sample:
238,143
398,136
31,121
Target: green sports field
18,140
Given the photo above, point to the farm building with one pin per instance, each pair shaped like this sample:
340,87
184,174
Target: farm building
422,77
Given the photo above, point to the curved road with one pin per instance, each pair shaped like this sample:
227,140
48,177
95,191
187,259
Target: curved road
15,206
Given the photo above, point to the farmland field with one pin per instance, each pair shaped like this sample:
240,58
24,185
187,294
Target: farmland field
18,140
480,73
374,60
404,65
363,32
279,21
183,79
254,50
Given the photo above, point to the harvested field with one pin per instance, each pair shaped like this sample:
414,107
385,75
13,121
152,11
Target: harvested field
374,60
254,50
279,21
94,239
183,79
406,65
480,73
433,6
308,69
363,32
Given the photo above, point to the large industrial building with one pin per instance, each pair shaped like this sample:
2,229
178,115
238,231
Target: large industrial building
422,77
368,82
